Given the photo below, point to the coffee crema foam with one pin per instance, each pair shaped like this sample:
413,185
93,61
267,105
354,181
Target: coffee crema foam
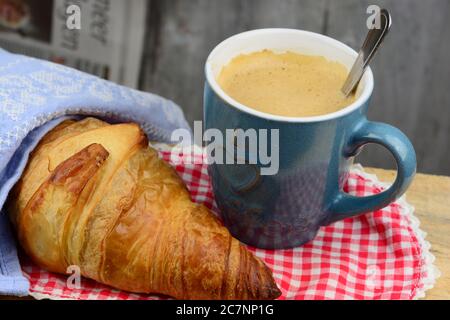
287,84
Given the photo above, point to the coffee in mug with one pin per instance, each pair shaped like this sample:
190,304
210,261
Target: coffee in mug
287,84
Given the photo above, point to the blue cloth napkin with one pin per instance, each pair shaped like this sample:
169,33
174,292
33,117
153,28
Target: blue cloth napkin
37,95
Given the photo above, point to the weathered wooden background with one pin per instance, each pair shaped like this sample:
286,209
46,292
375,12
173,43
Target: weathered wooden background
412,71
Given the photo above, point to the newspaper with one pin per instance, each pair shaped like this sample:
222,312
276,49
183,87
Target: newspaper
107,41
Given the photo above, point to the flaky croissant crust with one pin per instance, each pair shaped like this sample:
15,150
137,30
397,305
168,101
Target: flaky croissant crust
96,196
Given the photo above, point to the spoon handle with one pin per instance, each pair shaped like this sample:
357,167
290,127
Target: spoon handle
372,42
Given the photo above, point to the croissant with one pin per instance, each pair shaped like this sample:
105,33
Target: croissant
95,195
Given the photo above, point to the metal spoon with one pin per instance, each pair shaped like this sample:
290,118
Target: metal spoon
371,44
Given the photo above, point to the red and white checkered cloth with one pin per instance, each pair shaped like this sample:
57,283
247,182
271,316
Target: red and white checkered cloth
379,255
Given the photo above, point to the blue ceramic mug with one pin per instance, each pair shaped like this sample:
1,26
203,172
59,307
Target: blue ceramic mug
286,209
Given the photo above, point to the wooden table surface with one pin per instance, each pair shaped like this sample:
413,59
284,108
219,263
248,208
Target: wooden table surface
430,195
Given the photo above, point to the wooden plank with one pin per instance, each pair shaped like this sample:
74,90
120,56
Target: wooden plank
182,33
411,75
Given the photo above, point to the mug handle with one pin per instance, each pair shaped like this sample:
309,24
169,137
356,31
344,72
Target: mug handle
345,205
